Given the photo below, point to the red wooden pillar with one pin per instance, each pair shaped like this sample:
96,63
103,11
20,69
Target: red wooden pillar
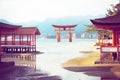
0,40
115,37
0,47
30,42
30,39
27,38
70,35
19,39
58,35
0,44
5,39
35,42
22,40
13,39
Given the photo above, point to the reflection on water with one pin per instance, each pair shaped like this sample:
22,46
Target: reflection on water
47,69
47,66
25,68
110,79
21,59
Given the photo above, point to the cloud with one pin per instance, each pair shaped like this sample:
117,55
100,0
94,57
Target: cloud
25,10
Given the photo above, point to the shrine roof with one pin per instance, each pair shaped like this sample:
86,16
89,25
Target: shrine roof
111,20
9,26
23,30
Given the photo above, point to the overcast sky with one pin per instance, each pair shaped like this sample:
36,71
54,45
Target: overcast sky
39,10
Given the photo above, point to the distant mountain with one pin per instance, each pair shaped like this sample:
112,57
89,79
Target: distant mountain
45,27
5,21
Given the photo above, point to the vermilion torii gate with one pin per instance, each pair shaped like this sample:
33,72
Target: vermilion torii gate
60,28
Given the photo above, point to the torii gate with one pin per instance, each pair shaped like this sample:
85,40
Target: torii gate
60,28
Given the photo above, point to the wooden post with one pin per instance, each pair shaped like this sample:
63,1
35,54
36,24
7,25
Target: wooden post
35,43
115,38
58,35
0,47
19,39
27,38
30,40
22,40
5,39
70,35
14,39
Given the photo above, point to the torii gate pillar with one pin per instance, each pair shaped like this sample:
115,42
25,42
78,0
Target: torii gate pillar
58,35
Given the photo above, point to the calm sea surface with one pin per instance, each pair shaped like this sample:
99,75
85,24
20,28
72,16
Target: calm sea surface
57,53
49,63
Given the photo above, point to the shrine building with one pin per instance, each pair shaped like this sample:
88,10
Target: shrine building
17,39
111,23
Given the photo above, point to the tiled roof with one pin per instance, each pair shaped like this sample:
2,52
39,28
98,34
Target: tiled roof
23,30
112,20
9,26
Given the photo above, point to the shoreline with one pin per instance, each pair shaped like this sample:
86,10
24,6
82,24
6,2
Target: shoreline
86,65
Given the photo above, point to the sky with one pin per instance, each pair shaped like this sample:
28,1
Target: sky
40,10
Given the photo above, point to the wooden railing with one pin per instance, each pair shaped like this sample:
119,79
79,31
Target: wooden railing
108,49
17,43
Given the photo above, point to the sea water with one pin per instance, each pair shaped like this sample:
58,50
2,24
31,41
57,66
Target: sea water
56,53
50,61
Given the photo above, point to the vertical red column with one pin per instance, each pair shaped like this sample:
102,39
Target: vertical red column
0,44
32,40
70,35
22,40
35,42
5,39
19,39
14,39
115,38
27,38
58,35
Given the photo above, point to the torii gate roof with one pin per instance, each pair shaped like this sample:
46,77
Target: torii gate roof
64,26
